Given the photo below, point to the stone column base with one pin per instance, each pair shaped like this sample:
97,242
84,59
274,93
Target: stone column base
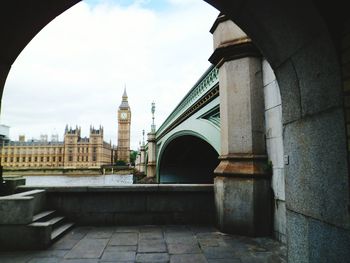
151,170
243,196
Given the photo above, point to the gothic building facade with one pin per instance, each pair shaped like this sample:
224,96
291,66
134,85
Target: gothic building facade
74,152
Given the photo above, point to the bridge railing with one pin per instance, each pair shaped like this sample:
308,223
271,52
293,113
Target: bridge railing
207,81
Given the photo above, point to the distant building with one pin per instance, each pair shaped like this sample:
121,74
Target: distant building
73,152
124,121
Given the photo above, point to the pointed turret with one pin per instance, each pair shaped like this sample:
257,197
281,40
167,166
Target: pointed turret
125,103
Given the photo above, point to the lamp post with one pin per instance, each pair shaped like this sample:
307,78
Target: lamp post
153,109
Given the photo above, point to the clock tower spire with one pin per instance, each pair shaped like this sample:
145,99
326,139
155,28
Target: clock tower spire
124,121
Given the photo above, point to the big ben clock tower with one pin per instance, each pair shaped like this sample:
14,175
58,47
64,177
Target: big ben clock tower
124,121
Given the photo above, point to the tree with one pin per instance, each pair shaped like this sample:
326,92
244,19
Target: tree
133,155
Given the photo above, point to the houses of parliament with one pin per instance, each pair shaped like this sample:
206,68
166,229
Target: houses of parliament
74,151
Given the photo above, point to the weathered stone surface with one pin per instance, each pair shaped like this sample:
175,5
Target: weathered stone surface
124,239
272,95
310,240
321,73
276,151
290,92
280,221
146,246
152,257
278,183
183,250
193,258
120,248
273,122
16,210
218,252
243,205
79,261
118,256
88,248
268,77
179,248
44,260
317,184
241,131
100,233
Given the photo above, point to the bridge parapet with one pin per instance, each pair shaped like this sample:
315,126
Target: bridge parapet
204,85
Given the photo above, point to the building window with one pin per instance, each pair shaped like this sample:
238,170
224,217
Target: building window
78,158
17,159
70,158
35,159
60,159
29,159
23,159
5,159
42,159
94,158
54,159
87,158
47,159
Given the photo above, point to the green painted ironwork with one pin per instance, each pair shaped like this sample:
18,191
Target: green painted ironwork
208,80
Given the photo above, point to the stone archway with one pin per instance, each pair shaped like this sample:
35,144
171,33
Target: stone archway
187,159
298,39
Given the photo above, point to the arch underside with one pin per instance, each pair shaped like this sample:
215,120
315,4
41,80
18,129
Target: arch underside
188,159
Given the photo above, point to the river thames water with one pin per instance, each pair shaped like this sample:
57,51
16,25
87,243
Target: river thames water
78,180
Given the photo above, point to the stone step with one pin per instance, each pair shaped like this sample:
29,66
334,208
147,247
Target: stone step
60,231
43,216
53,222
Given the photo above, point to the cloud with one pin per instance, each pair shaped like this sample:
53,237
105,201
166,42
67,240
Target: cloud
74,71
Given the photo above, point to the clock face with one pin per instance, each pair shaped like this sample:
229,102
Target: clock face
123,115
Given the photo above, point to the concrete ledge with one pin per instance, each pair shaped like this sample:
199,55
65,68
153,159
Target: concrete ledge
21,207
16,210
134,204
126,188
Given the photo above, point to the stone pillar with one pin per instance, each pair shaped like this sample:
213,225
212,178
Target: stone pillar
151,165
242,179
142,159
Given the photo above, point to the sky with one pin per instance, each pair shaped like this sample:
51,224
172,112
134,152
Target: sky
75,70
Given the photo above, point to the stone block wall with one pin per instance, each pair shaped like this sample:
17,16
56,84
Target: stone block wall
274,146
345,62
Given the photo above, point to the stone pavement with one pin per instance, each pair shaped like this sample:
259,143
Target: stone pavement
174,244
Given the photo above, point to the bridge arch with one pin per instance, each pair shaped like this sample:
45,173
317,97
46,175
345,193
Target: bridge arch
187,157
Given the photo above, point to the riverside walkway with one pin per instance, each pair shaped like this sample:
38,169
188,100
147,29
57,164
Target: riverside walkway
169,243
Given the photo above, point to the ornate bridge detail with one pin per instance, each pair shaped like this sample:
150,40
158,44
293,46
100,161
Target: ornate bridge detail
204,91
187,144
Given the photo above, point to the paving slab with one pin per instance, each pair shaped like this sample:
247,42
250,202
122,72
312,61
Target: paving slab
100,233
152,257
147,246
44,260
121,248
151,235
88,248
65,243
178,248
193,258
127,229
79,261
218,252
118,256
153,244
124,239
